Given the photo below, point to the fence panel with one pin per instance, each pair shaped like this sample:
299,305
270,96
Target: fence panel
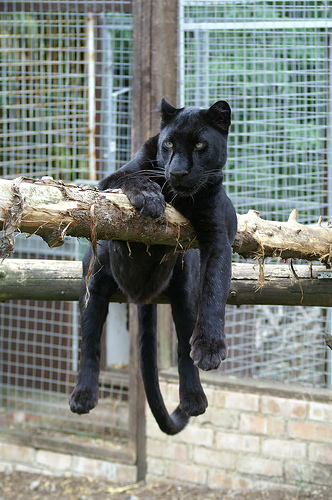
272,61
65,101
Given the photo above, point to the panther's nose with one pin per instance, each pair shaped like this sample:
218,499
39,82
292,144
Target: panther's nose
178,175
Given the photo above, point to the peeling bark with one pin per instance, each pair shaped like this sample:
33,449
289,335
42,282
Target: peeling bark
53,210
290,239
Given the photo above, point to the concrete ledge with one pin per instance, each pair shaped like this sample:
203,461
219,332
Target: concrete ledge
15,457
60,457
278,389
120,454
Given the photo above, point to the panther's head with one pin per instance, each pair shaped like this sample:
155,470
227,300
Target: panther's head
192,146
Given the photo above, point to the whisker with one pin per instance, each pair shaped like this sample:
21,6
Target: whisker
162,187
174,197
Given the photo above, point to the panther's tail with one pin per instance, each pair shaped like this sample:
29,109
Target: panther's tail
170,424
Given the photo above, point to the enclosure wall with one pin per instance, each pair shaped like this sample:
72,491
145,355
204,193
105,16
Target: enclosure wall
253,434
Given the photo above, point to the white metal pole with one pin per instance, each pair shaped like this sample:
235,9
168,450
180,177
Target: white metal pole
329,183
181,99
91,95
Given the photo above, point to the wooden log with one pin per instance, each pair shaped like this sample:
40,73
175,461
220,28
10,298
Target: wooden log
298,285
42,280
283,239
53,210
272,284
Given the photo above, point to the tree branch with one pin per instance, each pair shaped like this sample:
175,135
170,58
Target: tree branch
53,210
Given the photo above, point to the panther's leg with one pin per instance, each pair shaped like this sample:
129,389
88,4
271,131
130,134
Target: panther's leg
208,341
183,295
94,300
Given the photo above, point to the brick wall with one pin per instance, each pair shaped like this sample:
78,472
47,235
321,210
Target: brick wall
252,434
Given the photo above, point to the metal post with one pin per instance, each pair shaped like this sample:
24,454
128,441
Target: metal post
329,190
181,97
91,95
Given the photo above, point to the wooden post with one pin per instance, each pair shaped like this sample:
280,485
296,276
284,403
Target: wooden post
154,76
154,66
163,84
137,434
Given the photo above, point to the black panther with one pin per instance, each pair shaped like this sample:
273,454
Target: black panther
182,165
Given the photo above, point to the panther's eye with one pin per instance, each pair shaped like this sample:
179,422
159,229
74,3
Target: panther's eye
199,145
168,144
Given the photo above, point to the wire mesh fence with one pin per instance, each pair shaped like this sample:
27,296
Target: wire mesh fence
65,112
66,83
271,60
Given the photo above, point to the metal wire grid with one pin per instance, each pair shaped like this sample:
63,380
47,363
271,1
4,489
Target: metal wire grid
279,343
277,152
116,93
58,72
271,61
65,79
44,110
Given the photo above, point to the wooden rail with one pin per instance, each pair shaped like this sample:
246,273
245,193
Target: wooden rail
251,284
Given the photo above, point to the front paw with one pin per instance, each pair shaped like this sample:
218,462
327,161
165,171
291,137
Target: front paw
207,353
147,198
193,403
83,399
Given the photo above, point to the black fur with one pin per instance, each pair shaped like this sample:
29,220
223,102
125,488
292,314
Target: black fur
182,165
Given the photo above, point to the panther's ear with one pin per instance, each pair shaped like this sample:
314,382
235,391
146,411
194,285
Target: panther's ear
167,112
220,114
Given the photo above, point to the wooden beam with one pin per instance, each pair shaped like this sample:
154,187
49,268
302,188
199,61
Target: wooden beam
271,284
298,285
154,64
137,400
53,210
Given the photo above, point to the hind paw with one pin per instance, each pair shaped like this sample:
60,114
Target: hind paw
193,403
